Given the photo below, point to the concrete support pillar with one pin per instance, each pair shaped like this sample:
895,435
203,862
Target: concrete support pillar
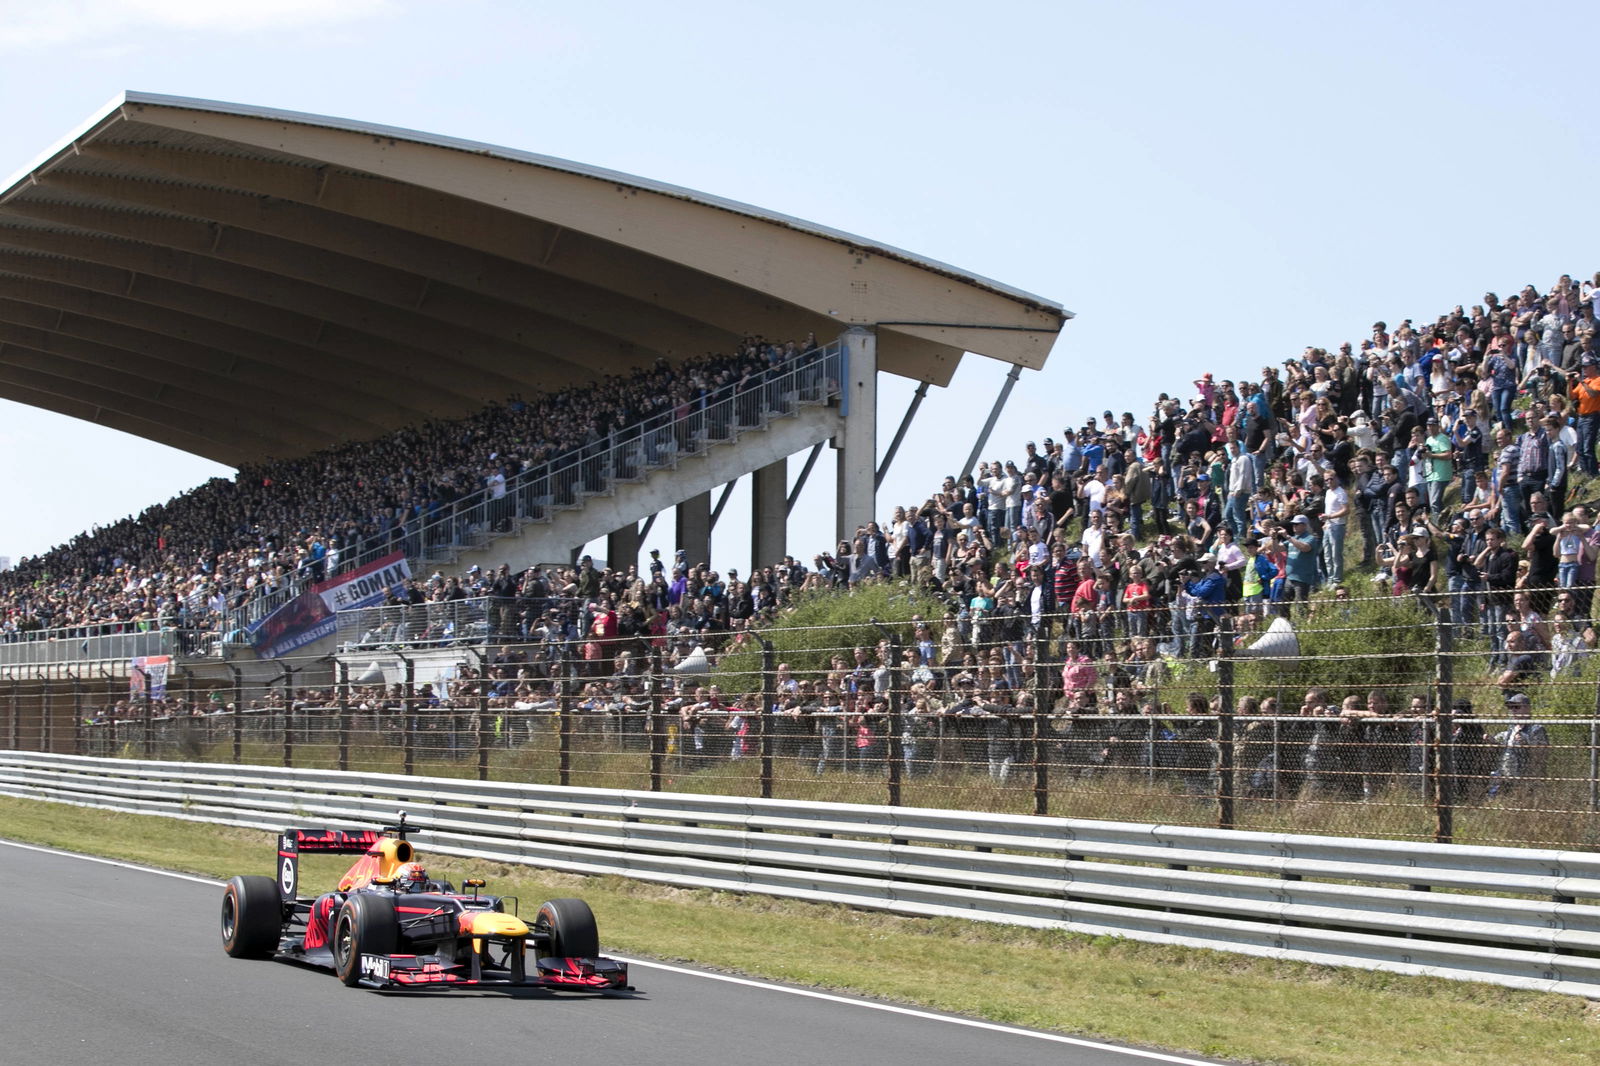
857,443
769,514
622,547
694,528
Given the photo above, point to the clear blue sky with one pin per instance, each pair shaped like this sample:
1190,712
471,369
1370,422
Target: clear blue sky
1209,187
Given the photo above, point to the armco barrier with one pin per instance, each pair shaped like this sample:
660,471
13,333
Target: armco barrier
1504,915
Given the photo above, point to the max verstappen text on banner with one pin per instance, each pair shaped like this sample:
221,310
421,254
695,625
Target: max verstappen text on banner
310,616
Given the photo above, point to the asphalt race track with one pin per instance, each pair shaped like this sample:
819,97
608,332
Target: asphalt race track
108,963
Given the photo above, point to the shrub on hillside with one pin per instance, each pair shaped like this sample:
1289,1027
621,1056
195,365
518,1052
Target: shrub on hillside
823,623
1352,648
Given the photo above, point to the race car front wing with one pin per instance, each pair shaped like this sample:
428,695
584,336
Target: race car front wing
433,971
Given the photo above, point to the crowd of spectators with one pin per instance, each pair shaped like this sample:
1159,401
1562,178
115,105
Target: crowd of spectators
1443,455
1447,452
284,524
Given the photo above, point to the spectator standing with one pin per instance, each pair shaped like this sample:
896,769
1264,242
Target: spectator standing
1335,514
1439,456
1524,749
1303,550
1586,394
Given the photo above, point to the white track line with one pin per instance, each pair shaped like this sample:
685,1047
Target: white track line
889,1008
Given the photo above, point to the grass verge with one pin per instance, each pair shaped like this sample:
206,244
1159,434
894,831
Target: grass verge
1199,1001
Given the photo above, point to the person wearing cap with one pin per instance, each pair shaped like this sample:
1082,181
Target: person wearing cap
1524,749
1585,390
1415,564
1209,588
1467,436
1304,547
1035,463
1093,450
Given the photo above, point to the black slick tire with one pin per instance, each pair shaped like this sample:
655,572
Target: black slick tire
366,925
252,918
571,926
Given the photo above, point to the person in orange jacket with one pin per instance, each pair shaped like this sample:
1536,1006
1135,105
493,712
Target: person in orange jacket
1586,394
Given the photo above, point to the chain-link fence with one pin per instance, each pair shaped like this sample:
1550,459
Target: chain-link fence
1380,717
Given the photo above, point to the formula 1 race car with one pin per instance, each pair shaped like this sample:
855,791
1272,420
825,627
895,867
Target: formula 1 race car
387,925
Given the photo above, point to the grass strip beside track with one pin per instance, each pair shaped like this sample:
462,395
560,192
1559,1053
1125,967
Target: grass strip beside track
1203,1002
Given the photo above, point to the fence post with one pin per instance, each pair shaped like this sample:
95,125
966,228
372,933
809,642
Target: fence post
78,739
564,722
657,727
288,716
342,680
238,713
46,733
108,740
1042,701
897,747
149,721
15,741
764,718
1443,761
485,727
1225,782
408,720
1594,754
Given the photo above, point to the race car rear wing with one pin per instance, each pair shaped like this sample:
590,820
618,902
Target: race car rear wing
295,841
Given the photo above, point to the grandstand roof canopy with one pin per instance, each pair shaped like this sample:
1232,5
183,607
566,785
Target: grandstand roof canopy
243,283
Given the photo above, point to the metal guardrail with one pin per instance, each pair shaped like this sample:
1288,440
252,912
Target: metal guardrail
1508,916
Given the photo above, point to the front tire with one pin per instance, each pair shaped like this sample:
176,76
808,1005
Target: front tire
252,918
571,926
366,926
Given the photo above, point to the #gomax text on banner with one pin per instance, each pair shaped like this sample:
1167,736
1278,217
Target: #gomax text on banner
365,586
309,617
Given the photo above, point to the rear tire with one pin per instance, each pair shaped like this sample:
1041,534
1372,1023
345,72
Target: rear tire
366,926
572,929
252,918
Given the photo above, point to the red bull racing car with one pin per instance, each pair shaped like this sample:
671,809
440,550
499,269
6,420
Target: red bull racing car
387,925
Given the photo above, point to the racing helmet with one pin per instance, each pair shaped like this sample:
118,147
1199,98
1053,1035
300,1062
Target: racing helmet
411,877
